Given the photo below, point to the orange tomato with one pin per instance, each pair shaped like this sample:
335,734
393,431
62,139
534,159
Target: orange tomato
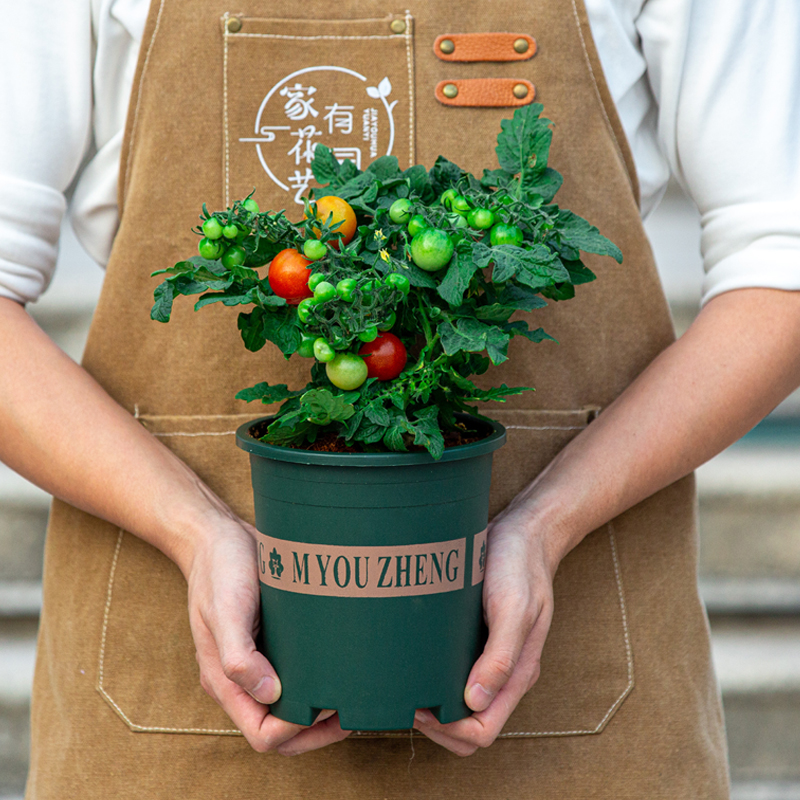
288,276
331,210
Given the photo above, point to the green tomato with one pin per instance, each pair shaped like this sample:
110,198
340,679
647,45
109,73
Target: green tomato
212,228
447,198
306,349
231,231
234,256
314,279
324,291
461,205
400,211
314,249
399,282
210,248
416,224
323,351
388,323
368,287
346,371
370,334
481,219
431,249
346,289
304,309
251,206
457,221
505,234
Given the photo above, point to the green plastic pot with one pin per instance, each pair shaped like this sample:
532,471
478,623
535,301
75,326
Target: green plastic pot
371,568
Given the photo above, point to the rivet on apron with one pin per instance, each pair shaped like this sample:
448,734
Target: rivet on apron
520,91
398,26
447,46
450,90
521,46
234,25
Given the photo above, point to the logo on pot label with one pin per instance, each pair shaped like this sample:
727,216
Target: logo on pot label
349,112
348,571
478,557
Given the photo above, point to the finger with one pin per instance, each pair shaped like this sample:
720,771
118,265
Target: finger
426,723
318,735
509,627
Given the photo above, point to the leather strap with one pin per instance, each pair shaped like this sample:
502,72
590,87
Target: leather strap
484,47
484,92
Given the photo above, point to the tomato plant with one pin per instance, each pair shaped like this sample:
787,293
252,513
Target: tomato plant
288,276
385,357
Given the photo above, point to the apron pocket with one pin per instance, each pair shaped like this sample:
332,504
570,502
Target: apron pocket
148,672
344,83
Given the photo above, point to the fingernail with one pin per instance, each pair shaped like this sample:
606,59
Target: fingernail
268,691
478,698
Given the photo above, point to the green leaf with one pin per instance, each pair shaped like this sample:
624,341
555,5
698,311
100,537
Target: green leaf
393,439
522,298
444,174
545,184
251,327
474,336
496,177
520,328
496,393
534,266
385,167
325,167
427,431
281,328
457,278
322,407
495,312
162,308
378,414
419,183
267,394
356,186
581,234
578,272
560,291
523,144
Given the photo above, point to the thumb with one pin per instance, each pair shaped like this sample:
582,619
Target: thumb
244,665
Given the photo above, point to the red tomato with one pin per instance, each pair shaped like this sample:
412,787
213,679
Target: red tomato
288,276
385,357
331,210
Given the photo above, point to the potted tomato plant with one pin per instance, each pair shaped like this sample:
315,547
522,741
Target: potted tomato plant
371,482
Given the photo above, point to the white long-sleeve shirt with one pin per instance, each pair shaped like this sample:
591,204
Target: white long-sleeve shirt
706,89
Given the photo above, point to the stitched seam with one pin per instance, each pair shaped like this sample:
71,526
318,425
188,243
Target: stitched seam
203,433
226,134
411,99
600,99
129,163
545,427
101,664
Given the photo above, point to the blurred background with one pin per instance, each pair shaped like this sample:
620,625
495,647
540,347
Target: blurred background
749,528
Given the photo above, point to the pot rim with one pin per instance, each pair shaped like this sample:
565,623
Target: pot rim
488,444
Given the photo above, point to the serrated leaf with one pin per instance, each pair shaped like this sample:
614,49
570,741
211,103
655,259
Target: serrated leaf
523,144
427,432
162,308
419,182
444,174
322,407
496,393
378,414
457,278
496,312
325,167
384,167
545,184
474,336
280,327
251,326
393,439
535,266
522,298
580,233
267,394
356,186
520,328
578,272
496,178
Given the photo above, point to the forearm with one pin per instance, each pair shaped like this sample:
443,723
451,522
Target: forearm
63,432
738,360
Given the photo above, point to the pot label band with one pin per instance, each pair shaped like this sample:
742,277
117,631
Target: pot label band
354,571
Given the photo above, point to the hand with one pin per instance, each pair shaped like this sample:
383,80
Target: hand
518,606
224,617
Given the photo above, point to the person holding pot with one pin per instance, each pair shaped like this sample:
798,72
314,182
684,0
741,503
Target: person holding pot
133,442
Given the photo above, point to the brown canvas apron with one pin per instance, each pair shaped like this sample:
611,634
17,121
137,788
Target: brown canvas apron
627,705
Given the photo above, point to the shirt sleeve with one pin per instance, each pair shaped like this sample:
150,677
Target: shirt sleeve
46,129
726,74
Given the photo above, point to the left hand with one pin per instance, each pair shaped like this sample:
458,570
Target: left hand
518,606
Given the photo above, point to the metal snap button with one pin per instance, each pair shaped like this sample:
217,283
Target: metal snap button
398,26
234,24
450,90
521,45
520,91
447,46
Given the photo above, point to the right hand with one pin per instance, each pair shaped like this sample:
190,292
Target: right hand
224,617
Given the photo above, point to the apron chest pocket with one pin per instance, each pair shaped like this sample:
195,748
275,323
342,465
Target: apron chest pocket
148,672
